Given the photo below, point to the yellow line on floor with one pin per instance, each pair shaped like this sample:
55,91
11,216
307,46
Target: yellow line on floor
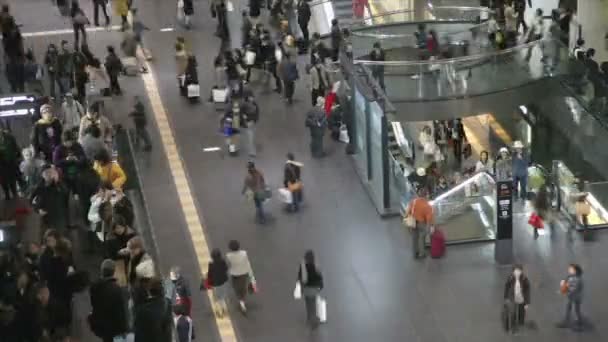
193,222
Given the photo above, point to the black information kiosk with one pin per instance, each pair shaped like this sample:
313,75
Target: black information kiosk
503,251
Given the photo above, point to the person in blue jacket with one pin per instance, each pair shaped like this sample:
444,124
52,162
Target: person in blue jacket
520,169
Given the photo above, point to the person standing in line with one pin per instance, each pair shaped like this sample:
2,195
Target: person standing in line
184,327
140,122
517,296
254,187
292,180
311,281
572,287
109,171
108,318
422,212
113,67
96,5
378,55
240,272
289,74
304,15
217,279
72,114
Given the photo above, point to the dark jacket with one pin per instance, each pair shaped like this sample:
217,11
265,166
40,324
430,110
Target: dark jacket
139,116
154,321
336,37
303,12
113,64
188,7
52,198
108,316
54,318
51,60
114,243
46,136
217,273
314,277
65,64
54,270
509,293
291,173
377,56
575,287
70,167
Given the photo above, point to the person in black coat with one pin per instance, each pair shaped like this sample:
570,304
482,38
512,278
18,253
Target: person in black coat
49,319
109,308
254,9
311,281
378,55
154,317
217,279
114,67
188,12
304,15
517,295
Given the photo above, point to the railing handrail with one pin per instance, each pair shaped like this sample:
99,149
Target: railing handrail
455,59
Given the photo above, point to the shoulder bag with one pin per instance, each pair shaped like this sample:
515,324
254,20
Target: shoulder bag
409,220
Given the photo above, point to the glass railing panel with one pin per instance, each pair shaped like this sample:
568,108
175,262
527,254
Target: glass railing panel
471,75
467,212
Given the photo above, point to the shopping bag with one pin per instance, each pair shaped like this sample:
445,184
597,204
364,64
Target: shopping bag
250,58
321,309
285,196
219,95
344,134
536,221
297,292
194,91
295,186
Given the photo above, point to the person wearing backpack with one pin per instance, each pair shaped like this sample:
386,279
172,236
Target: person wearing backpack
289,74
113,67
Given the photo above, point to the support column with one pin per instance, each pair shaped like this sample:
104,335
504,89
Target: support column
503,250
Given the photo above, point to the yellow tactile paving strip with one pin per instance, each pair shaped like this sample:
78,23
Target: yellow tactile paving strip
193,221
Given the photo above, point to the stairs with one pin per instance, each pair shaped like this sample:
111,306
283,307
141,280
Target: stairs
343,11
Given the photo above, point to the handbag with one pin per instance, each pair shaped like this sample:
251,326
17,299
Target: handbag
321,309
285,196
536,221
194,91
295,186
250,58
297,292
409,220
563,287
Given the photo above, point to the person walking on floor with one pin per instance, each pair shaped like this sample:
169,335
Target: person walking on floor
79,21
96,5
289,74
108,318
188,12
422,212
304,16
311,282
250,116
217,279
517,296
240,272
572,286
140,122
319,81
113,67
254,188
336,39
378,55
121,8
292,181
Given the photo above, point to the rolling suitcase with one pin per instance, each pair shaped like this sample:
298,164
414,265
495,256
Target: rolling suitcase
437,244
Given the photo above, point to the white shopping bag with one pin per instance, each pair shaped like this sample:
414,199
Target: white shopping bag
250,58
194,90
344,134
285,196
297,292
219,95
321,309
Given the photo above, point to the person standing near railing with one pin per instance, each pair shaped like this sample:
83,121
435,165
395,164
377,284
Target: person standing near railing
378,55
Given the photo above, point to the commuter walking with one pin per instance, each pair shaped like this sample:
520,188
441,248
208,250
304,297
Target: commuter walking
121,8
79,21
240,272
113,67
520,170
9,164
517,297
421,211
378,55
289,74
572,287
184,327
33,74
50,200
96,5
316,122
65,68
47,133
254,188
108,318
319,81
181,290
72,114
250,117
153,317
140,122
304,16
51,61
310,280
217,279
520,9
292,181
336,39
188,13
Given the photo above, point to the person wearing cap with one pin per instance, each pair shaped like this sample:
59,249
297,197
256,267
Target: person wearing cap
504,166
108,317
254,188
47,133
520,169
422,211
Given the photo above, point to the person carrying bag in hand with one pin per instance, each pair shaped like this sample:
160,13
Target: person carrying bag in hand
310,284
